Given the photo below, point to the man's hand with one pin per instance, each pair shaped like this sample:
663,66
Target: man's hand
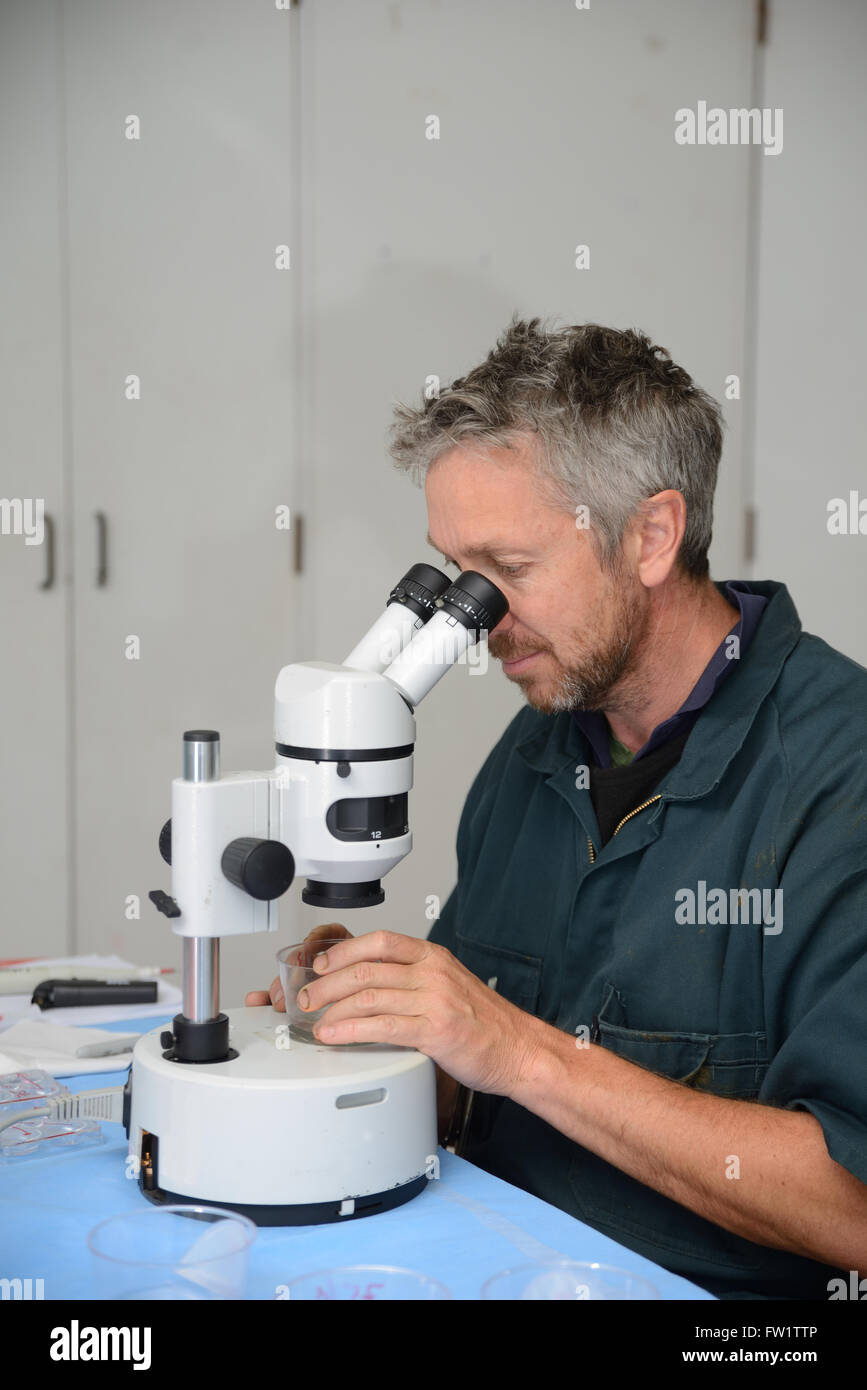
388,988
274,996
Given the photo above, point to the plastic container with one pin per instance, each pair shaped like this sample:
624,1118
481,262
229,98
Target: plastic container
43,1135
25,1089
568,1280
364,1283
172,1252
296,971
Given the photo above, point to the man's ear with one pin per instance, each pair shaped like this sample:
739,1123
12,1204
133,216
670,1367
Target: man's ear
657,533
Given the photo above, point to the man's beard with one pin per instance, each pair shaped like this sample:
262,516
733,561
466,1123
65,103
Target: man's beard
588,679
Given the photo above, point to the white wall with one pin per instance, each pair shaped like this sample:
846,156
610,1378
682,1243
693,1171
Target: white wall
812,308
557,128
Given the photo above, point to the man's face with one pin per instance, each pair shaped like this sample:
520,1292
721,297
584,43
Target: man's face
573,630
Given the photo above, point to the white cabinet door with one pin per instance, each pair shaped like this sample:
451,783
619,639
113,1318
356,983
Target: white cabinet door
175,294
34,736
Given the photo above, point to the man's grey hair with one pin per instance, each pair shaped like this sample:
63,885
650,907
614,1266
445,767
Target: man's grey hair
614,421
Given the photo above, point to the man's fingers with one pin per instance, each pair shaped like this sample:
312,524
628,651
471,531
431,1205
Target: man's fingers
397,1030
273,996
354,981
410,1003
256,998
375,946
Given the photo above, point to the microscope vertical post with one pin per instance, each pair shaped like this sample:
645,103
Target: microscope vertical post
200,1033
201,977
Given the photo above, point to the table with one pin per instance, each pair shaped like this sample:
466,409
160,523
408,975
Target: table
464,1227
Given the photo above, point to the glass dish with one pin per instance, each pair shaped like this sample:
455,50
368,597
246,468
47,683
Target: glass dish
296,971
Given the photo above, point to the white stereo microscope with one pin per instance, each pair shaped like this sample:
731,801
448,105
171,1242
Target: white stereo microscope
225,1108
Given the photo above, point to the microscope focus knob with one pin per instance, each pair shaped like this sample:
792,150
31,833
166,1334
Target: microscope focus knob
166,842
262,868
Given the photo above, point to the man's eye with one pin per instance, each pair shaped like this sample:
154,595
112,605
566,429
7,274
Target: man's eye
511,571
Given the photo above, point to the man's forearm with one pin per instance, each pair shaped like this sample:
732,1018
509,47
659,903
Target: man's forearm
789,1194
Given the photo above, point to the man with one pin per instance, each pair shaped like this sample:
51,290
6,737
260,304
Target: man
651,977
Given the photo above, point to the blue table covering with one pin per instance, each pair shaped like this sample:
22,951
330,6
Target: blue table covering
463,1228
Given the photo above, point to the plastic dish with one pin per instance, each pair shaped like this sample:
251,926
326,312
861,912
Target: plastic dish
568,1281
172,1252
364,1283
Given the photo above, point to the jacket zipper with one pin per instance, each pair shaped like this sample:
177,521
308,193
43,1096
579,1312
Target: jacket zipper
642,807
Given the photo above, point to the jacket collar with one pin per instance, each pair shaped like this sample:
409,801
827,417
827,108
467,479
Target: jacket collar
722,726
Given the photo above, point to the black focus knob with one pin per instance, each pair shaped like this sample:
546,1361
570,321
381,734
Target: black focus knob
167,1039
166,841
262,868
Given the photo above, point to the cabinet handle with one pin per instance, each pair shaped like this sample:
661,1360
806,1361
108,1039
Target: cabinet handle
298,548
101,549
48,581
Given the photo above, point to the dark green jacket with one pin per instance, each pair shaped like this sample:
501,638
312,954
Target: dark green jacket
770,793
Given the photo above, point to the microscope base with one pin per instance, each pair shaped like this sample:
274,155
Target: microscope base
314,1214
295,1135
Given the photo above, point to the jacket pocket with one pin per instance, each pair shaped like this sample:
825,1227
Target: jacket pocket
725,1064
512,974
731,1065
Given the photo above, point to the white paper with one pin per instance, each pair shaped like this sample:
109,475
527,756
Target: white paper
58,1050
65,1066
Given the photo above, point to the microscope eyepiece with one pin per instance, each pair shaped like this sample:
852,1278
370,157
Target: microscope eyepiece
467,608
419,590
475,602
411,603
